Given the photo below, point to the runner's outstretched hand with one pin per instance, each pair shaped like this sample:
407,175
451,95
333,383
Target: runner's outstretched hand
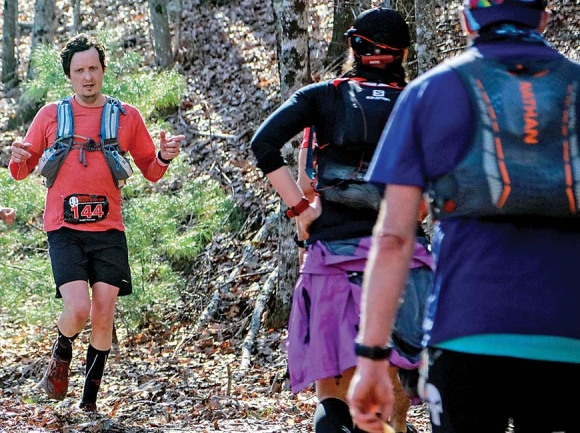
7,214
170,145
20,152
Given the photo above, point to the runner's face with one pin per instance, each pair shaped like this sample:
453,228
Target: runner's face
86,76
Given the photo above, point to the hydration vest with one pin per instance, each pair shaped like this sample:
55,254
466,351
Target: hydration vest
53,157
525,158
342,165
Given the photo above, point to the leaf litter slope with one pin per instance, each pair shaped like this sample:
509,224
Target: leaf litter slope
180,374
176,374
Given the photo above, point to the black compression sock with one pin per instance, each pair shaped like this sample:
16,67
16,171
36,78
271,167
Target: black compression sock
332,415
96,360
63,345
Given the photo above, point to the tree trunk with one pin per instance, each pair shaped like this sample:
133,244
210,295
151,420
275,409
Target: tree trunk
42,29
175,8
345,12
76,7
425,10
294,69
407,9
161,34
9,29
293,53
287,274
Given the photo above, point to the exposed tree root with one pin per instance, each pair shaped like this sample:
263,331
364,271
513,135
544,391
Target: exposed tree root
259,308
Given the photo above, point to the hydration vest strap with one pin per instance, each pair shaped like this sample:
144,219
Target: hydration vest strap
110,119
310,172
53,157
64,118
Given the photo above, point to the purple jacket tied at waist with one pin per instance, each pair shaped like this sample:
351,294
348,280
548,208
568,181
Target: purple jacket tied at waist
319,260
326,310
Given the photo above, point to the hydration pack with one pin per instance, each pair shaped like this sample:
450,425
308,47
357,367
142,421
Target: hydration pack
525,156
53,157
367,107
341,166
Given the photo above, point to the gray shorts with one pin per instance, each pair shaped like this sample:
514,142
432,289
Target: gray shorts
90,256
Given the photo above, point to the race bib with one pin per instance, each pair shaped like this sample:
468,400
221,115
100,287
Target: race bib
85,208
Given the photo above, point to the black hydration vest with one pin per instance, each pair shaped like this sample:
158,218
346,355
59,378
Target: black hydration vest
341,166
525,158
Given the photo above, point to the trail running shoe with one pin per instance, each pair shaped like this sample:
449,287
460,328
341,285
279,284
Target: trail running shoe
86,406
55,380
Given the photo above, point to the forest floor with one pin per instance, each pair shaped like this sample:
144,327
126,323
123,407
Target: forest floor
154,384
179,374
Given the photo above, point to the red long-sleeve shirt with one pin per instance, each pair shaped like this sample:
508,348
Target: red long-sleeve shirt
94,178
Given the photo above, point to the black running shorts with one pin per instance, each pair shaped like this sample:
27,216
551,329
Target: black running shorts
90,256
469,393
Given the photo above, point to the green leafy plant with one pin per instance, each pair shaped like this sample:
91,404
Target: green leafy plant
167,228
27,291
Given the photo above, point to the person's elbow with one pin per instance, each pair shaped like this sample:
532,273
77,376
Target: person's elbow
393,243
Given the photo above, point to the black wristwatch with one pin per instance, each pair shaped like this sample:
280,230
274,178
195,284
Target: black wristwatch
163,160
376,353
300,243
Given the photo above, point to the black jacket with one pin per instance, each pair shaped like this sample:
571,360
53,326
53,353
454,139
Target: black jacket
320,105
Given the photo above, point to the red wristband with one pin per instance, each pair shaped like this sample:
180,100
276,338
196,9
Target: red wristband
294,211
305,138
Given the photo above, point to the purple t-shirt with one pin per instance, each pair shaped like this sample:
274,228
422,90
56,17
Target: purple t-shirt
491,277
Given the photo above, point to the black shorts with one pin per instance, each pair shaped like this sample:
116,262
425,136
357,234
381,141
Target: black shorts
90,256
469,393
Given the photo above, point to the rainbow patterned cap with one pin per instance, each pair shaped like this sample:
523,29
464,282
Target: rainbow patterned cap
482,13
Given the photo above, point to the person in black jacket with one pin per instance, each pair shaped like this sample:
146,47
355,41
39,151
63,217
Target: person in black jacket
347,116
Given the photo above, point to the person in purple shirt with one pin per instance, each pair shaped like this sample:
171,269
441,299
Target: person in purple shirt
491,138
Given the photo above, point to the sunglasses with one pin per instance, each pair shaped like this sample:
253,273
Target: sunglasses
360,40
